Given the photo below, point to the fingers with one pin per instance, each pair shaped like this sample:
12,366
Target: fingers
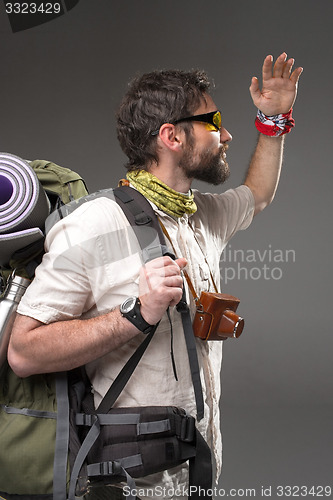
160,286
154,280
281,69
287,68
267,68
280,65
165,266
181,262
161,279
254,88
296,74
163,271
162,262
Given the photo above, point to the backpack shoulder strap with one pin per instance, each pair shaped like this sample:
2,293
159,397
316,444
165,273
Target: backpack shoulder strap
140,214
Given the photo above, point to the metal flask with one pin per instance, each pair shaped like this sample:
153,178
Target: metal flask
8,304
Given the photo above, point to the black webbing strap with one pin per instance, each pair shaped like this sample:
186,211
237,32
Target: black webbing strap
200,470
88,442
111,468
124,375
104,468
183,308
62,439
106,404
117,468
108,419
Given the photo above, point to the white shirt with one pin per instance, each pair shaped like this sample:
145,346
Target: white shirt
92,264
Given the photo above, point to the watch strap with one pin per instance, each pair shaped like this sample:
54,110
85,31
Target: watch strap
135,317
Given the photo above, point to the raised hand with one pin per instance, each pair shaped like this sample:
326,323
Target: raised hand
279,86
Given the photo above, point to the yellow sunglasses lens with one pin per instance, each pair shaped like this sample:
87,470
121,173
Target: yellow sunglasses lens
217,119
211,127
217,123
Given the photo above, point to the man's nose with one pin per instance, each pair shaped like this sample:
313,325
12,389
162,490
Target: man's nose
225,135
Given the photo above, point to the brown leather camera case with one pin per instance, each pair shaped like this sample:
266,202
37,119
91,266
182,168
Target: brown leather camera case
216,317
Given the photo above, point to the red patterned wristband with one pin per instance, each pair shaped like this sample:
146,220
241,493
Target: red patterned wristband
274,125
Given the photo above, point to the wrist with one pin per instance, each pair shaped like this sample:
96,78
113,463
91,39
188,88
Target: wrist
275,125
148,313
131,310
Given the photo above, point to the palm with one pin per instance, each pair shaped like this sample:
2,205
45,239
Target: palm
279,87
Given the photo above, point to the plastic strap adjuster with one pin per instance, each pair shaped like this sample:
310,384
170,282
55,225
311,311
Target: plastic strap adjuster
107,468
85,419
110,468
187,429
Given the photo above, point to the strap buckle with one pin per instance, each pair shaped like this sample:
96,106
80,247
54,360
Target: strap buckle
110,468
85,419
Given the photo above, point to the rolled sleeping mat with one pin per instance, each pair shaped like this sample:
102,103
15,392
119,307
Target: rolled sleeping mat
24,206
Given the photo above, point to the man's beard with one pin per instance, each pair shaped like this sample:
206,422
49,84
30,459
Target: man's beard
209,167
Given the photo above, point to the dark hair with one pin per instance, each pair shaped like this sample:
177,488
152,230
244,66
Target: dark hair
151,100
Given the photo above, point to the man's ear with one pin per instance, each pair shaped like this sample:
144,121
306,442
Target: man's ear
170,137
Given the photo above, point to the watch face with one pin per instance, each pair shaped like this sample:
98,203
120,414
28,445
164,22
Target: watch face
128,305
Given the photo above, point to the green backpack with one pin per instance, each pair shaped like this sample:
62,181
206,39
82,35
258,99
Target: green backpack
37,393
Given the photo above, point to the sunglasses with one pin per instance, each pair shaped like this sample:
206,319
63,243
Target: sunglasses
212,121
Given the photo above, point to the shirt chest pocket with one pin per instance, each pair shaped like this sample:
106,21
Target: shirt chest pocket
204,278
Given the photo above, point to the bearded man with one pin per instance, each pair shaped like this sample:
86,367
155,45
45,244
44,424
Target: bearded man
172,133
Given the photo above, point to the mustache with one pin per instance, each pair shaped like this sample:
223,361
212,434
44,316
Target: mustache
223,151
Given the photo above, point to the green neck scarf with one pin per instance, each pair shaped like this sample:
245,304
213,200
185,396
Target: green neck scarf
170,201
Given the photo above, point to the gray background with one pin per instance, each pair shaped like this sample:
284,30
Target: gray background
60,86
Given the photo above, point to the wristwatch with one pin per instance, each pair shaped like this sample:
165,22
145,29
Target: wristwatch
130,309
